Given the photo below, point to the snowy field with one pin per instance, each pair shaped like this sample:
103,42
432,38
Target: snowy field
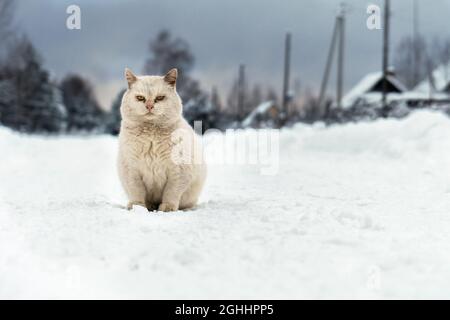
355,211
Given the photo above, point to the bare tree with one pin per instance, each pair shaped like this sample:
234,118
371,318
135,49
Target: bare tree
440,55
297,99
167,52
271,95
7,8
216,103
251,99
232,99
408,53
6,16
311,109
256,97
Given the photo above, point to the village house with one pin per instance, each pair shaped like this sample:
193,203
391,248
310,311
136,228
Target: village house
432,91
266,115
369,90
436,88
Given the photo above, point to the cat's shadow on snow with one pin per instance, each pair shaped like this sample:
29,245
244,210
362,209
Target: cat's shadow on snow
210,205
140,209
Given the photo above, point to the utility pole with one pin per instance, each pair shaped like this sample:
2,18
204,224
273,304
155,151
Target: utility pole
416,52
287,67
215,100
340,67
241,93
387,13
338,34
323,87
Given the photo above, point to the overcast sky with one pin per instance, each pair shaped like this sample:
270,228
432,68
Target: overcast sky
222,34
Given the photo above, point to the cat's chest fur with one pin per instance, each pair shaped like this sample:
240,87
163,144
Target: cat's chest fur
151,155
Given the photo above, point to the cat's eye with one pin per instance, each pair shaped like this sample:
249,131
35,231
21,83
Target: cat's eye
140,98
159,98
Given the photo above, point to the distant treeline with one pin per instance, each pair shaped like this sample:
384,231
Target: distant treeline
32,101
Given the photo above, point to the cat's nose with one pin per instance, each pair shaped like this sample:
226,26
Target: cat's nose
149,106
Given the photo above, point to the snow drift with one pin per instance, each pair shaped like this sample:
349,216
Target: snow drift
355,211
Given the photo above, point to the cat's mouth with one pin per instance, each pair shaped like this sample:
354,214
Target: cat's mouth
150,114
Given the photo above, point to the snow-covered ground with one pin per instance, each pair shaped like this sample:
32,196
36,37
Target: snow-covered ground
355,211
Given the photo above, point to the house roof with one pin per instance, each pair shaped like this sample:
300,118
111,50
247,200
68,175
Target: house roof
440,80
261,109
369,84
374,97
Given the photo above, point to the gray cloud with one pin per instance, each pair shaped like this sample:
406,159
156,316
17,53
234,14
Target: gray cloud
222,34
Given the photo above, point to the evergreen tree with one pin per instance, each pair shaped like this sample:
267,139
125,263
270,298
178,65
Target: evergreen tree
29,102
83,110
113,118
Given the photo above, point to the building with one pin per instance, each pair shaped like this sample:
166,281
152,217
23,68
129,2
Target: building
370,88
266,115
438,83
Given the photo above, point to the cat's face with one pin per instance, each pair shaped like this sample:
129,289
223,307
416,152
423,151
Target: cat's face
151,99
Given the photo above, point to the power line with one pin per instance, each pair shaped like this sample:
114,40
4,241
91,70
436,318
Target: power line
340,67
338,34
326,74
286,78
416,52
385,53
241,92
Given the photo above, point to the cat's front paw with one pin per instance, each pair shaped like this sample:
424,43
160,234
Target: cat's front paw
134,203
166,207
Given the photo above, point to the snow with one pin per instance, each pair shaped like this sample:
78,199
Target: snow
418,95
261,109
407,96
362,92
355,211
440,79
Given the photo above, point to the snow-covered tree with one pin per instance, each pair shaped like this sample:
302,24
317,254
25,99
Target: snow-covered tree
29,102
83,110
113,118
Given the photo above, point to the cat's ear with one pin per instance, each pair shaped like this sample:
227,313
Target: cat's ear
131,78
171,77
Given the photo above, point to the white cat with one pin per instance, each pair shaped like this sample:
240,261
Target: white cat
159,162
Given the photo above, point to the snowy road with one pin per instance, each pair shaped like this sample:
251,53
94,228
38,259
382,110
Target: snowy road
355,211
